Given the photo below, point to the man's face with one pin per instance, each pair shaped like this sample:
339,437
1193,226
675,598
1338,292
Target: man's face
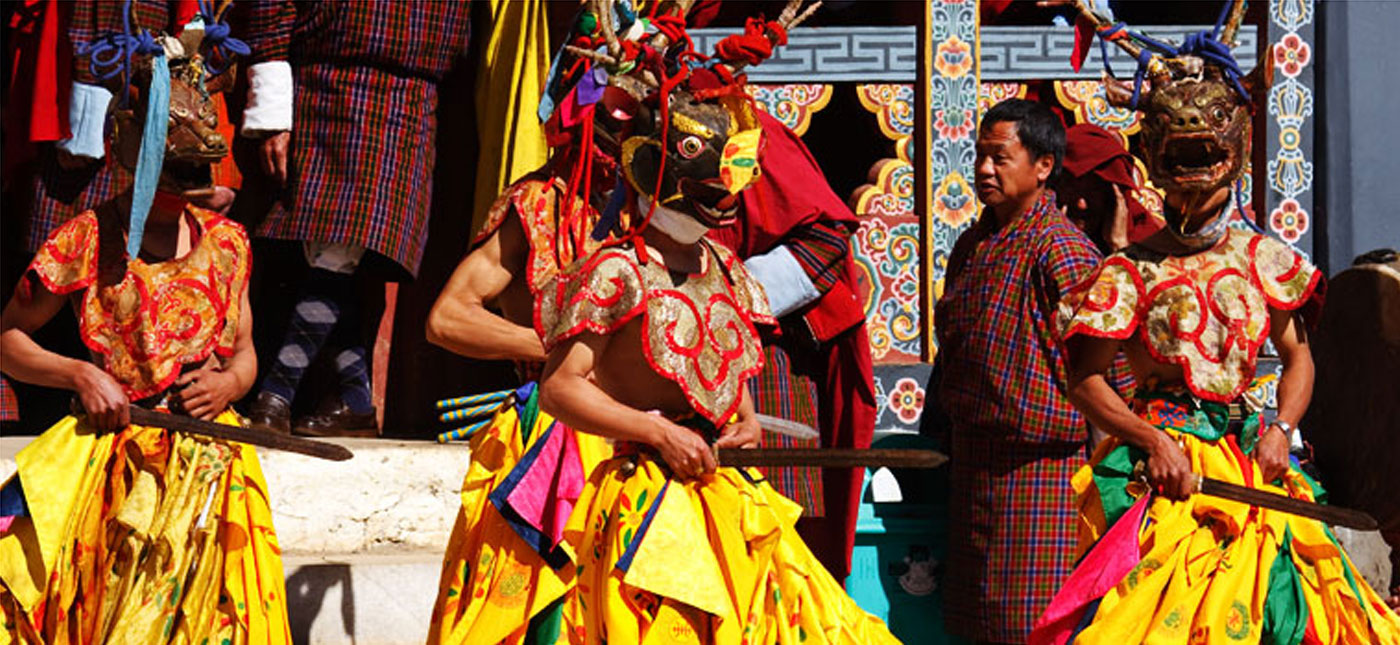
1006,173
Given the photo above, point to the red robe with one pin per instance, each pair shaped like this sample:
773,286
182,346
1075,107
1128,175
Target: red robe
792,194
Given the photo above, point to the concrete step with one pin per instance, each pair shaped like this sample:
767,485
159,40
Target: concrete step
393,496
365,598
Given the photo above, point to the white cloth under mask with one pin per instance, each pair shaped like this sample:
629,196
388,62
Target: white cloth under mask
674,224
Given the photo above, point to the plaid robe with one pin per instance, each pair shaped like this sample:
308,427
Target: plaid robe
364,123
1016,438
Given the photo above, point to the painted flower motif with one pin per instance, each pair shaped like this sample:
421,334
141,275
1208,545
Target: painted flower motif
1291,55
953,200
1289,220
954,58
793,104
907,400
953,124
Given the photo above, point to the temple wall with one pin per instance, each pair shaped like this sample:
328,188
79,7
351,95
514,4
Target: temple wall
1358,132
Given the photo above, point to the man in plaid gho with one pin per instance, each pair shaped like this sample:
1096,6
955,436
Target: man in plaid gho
1015,438
343,96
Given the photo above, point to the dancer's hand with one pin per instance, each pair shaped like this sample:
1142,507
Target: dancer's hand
206,392
683,450
1271,453
273,154
103,399
1169,469
1115,230
744,432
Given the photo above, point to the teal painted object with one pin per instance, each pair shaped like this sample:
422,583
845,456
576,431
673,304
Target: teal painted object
896,563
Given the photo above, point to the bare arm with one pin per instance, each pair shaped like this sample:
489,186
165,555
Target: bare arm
1294,390
24,360
567,393
1089,359
460,321
209,390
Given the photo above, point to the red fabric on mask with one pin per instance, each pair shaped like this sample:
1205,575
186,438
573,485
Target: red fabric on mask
1092,150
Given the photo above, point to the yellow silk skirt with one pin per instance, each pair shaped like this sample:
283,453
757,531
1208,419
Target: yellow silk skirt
493,583
714,559
138,537
1219,571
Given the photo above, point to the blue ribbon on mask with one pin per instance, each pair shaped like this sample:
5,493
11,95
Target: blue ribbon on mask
218,40
148,163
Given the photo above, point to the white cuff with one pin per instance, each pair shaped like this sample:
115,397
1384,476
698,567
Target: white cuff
784,280
269,99
87,114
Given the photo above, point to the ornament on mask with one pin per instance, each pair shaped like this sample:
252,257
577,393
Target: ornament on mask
1196,109
634,108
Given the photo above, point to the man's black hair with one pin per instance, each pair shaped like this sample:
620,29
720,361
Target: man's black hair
1040,131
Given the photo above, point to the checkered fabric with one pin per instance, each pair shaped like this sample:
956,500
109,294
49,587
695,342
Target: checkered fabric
9,407
1003,362
780,392
61,194
364,124
820,248
1016,439
1012,533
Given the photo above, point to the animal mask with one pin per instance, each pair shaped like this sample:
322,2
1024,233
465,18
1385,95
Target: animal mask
1196,108
193,142
686,135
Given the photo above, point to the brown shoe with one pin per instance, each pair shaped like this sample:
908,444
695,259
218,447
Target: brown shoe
270,413
339,421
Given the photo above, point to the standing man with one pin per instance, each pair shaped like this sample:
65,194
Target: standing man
793,233
1015,438
344,98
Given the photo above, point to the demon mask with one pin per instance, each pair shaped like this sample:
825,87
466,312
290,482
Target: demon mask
193,142
698,164
1196,108
685,135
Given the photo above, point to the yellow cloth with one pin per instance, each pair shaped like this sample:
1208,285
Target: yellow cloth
140,537
492,582
510,82
718,562
1204,573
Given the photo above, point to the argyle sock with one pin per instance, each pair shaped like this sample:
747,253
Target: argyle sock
325,296
353,369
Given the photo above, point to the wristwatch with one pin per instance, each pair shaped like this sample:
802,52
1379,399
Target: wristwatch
1295,438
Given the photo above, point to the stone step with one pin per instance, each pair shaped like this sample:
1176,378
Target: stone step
362,598
393,496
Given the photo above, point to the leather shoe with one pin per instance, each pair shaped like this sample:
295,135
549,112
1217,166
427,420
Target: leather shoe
339,421
270,413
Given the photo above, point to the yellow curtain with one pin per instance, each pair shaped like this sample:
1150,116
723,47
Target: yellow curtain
514,64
